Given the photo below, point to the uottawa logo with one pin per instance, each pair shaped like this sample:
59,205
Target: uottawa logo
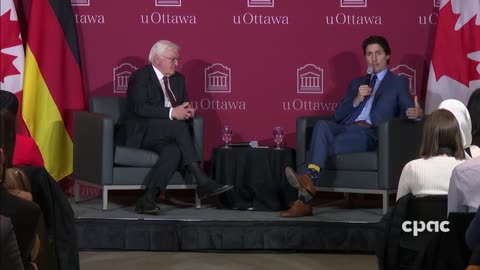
310,79
261,3
121,74
80,2
168,3
410,74
218,79
353,3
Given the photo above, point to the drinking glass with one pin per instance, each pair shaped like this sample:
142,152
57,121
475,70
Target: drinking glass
227,135
278,135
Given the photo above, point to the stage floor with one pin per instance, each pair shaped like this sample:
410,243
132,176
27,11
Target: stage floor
181,226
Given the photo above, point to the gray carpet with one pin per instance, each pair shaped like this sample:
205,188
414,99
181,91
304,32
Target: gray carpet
120,209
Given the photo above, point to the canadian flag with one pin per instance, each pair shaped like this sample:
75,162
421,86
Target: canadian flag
12,56
455,67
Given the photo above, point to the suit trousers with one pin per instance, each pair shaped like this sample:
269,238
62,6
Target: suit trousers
330,138
172,141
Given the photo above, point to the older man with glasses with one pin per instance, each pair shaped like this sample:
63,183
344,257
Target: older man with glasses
157,120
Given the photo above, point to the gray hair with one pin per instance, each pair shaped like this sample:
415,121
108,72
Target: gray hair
159,47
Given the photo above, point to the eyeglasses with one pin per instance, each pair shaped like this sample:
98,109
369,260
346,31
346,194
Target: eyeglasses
173,59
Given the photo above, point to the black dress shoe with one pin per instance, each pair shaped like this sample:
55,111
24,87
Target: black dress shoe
211,188
143,206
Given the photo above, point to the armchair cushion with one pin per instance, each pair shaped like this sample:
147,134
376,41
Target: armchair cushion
134,157
366,161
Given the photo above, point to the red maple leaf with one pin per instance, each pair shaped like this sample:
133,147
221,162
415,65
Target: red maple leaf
10,37
451,48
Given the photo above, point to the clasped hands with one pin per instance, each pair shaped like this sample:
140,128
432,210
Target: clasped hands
412,113
183,112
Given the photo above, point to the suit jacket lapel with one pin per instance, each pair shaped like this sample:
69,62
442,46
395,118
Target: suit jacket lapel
156,83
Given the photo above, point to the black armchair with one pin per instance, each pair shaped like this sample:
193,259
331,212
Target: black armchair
99,162
366,172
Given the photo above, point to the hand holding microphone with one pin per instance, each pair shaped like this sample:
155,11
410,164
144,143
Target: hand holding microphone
364,89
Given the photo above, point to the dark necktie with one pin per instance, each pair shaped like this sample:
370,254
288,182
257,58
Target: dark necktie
356,112
169,92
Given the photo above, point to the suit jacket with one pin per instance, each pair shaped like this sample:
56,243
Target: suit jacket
145,101
9,252
24,216
392,99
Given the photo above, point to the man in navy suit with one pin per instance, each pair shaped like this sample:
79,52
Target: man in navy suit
370,100
157,118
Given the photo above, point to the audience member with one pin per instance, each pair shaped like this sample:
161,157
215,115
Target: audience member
9,253
18,184
474,109
23,214
441,150
57,212
464,122
464,190
157,118
26,150
367,103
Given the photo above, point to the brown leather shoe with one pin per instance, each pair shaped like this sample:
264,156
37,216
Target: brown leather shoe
302,182
298,209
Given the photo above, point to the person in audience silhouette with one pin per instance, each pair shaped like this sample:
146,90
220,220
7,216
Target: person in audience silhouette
472,238
157,119
440,151
465,123
26,150
473,106
23,214
380,96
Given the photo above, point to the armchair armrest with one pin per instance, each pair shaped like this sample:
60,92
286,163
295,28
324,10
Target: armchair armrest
398,142
93,147
304,130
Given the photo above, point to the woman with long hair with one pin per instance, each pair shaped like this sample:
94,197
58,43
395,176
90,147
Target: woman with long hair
441,150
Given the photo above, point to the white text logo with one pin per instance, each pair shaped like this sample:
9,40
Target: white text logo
121,74
218,79
420,226
353,3
80,2
261,3
408,73
168,3
310,79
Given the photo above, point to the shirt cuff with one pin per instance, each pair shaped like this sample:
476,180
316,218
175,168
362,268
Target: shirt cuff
170,114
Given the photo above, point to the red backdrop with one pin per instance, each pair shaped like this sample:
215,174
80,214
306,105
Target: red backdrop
254,64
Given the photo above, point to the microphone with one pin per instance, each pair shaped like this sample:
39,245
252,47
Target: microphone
368,76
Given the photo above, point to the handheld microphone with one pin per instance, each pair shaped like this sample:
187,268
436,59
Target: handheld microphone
368,76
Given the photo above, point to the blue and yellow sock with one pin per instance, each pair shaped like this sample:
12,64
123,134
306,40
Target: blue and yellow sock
314,172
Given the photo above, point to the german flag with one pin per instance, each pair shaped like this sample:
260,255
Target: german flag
53,86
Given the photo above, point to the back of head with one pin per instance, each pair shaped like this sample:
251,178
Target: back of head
17,179
441,135
7,135
463,118
9,101
473,107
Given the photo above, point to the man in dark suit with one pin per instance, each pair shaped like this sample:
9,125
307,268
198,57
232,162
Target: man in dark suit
369,100
157,119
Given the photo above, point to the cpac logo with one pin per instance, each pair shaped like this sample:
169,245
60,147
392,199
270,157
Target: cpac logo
168,3
408,73
218,79
310,79
121,74
261,3
420,226
80,2
436,3
353,3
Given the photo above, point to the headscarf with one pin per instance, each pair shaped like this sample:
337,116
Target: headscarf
463,118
